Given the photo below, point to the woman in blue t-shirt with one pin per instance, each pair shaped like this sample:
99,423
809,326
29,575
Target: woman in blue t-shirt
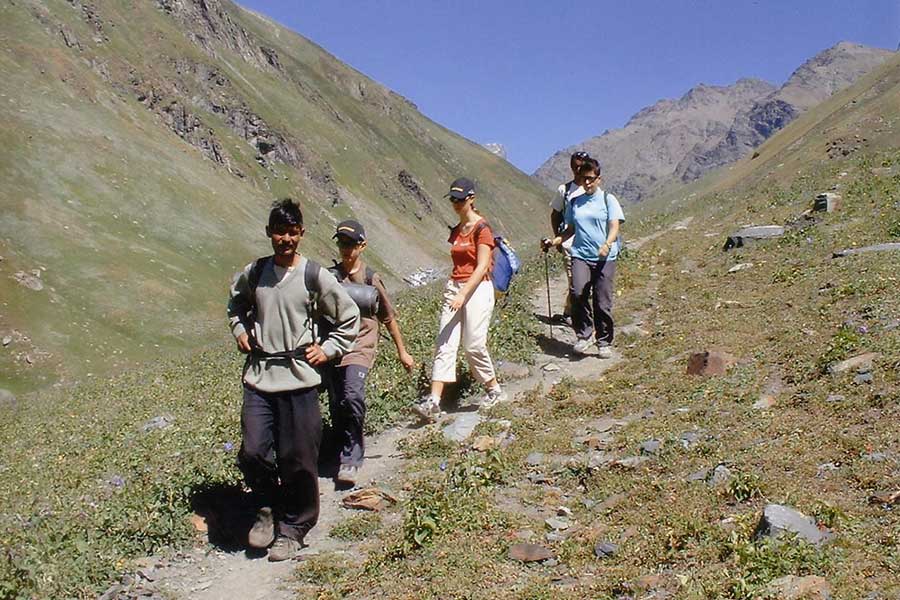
593,218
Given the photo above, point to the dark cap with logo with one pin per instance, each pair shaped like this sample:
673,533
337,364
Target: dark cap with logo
461,188
351,229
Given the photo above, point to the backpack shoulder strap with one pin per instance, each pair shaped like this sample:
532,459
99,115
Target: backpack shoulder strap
256,272
311,276
370,275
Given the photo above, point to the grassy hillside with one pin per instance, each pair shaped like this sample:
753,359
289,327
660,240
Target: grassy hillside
141,146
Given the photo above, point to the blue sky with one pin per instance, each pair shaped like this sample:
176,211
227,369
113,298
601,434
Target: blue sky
538,76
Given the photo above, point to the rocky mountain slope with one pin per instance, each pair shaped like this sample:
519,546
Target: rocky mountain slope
710,126
142,144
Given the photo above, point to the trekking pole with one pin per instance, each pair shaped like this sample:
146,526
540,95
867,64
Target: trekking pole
547,277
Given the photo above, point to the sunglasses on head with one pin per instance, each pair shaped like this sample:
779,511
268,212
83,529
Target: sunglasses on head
580,155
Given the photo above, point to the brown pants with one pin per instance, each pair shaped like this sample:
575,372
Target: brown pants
280,453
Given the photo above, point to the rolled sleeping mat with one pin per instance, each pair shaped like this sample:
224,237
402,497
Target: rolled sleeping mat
365,297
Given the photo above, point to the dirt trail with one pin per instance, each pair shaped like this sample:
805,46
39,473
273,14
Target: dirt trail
208,572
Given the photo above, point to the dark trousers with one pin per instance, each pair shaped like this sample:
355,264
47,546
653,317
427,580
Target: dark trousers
592,283
347,405
279,455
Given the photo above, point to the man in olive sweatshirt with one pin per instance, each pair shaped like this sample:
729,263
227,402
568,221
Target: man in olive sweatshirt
270,312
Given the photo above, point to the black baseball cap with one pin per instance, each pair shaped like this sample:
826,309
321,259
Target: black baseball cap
351,229
461,188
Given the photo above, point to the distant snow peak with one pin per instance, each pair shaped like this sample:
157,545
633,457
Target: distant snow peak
498,149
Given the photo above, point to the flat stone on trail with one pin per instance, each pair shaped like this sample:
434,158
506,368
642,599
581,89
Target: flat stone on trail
603,424
861,361
529,553
791,587
462,427
700,475
29,280
550,367
778,520
508,370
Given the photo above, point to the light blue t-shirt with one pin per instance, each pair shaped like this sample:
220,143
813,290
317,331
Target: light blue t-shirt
591,220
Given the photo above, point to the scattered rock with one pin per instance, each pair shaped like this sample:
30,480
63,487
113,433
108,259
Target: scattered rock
550,367
791,587
564,511
709,363
861,378
826,468
740,267
159,422
29,280
598,441
651,447
834,398
632,329
605,549
778,519
556,524
534,459
603,424
720,476
508,371
7,340
827,202
874,457
700,475
765,402
462,427
112,592
598,460
888,498
862,361
631,462
7,398
690,438
876,248
750,234
527,553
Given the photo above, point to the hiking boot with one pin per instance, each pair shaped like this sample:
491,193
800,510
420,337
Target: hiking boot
604,350
428,408
263,531
284,548
493,397
348,474
582,346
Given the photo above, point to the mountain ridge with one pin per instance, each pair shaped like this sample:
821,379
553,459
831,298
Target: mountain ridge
711,134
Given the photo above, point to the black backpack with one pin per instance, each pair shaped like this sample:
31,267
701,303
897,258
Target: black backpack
310,280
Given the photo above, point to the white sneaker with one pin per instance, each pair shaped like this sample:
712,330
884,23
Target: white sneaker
582,346
428,408
493,397
604,350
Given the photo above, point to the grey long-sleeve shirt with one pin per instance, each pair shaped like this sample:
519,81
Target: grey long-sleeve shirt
283,324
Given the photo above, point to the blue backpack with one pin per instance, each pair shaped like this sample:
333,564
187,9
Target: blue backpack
506,262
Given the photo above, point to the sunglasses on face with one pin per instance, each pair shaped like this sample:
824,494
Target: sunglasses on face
459,200
590,179
346,243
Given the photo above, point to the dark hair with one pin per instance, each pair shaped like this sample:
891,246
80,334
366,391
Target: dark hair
590,165
581,155
285,212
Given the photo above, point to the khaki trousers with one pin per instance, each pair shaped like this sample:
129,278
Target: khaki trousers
470,325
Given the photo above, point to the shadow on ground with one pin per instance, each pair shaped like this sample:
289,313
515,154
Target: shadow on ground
229,514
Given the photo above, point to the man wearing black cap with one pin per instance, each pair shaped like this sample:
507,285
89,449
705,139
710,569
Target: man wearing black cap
347,386
564,193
